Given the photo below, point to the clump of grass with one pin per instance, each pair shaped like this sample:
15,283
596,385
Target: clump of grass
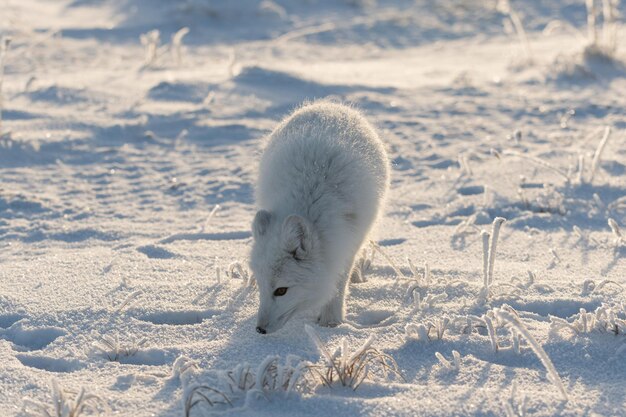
270,377
154,50
423,304
423,331
590,286
604,319
62,405
351,368
425,276
237,270
530,283
111,348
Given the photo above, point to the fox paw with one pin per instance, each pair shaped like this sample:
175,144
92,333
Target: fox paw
329,320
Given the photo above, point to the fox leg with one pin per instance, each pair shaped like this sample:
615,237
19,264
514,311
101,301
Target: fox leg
333,313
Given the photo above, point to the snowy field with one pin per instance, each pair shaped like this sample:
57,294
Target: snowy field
127,167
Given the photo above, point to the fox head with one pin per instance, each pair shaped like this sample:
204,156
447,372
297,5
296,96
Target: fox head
287,263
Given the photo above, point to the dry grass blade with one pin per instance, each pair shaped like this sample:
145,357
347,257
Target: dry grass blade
196,396
62,405
598,153
538,161
514,322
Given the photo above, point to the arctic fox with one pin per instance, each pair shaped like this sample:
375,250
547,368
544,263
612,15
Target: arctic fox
322,181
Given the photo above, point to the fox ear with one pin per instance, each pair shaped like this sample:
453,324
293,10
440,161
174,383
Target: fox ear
296,236
261,223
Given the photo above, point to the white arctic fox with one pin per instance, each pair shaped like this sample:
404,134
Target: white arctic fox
322,181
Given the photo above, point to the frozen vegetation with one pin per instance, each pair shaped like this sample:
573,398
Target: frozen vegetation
130,134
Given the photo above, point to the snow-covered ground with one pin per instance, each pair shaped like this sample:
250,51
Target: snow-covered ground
113,159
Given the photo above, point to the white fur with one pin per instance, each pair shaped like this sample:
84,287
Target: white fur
322,182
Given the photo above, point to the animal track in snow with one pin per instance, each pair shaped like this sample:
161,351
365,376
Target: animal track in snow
37,338
7,320
177,318
46,363
471,190
208,236
563,308
391,242
155,252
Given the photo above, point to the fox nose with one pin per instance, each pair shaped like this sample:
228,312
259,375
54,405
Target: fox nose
260,330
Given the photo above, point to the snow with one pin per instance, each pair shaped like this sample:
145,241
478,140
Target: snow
111,169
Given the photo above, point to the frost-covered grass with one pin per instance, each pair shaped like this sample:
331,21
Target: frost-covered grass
350,367
111,348
604,319
271,377
62,404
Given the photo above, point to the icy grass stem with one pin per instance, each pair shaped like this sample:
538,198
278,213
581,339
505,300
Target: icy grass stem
4,48
619,238
393,265
495,232
516,410
150,41
581,168
455,365
128,301
598,153
176,45
515,323
505,7
232,63
609,28
592,31
607,43
491,331
485,238
539,162
490,242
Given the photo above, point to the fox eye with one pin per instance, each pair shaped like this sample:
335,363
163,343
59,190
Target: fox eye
280,291
294,255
